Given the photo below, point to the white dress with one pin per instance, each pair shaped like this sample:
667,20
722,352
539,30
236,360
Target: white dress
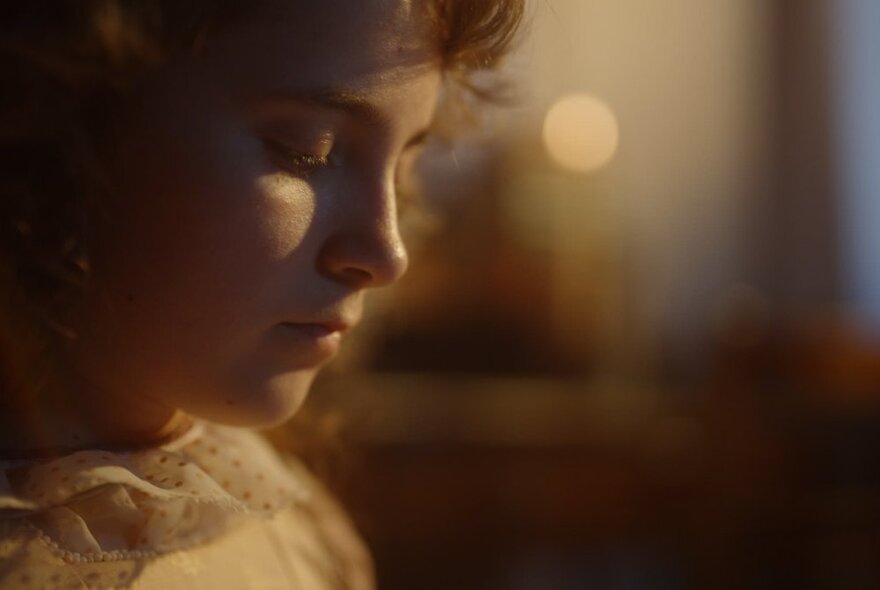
215,509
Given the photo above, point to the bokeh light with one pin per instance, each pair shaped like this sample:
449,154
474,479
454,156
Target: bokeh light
581,133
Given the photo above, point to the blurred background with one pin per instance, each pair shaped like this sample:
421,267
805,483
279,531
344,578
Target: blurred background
638,346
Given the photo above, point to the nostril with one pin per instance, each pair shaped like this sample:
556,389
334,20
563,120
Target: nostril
362,261
356,277
363,248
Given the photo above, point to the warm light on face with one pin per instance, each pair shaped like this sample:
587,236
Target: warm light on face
581,133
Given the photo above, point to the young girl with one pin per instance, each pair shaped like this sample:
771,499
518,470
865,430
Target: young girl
194,197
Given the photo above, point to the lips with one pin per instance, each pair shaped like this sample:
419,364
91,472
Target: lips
318,330
315,342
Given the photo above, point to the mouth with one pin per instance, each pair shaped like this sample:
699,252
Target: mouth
318,329
319,340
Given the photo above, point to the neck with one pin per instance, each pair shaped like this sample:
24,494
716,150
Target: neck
53,424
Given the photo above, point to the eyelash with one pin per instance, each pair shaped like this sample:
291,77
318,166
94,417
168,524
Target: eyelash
409,193
407,199
306,164
303,163
309,161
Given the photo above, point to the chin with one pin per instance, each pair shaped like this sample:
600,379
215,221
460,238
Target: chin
260,405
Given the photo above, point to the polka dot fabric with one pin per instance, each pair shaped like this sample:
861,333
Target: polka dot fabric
109,510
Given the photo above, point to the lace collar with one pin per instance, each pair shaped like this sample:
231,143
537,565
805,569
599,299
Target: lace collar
103,505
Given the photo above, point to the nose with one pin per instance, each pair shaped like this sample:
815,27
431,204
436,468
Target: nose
365,248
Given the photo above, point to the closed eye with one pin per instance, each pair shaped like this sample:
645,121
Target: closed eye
295,162
408,188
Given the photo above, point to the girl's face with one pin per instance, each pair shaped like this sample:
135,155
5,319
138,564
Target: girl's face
256,204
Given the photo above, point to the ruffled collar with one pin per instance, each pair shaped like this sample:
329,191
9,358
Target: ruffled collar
102,505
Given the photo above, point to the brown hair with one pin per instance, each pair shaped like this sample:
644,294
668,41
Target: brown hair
63,65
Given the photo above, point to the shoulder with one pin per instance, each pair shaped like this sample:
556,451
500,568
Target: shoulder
331,526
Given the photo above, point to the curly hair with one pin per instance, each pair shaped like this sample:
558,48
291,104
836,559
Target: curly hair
63,66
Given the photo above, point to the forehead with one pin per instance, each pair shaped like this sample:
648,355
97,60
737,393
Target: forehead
312,43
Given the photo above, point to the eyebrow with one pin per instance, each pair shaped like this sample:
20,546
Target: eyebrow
344,100
348,101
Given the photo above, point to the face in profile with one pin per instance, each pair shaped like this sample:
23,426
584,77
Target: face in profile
254,206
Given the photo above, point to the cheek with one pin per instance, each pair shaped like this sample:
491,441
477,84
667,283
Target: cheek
202,219
210,281
191,258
